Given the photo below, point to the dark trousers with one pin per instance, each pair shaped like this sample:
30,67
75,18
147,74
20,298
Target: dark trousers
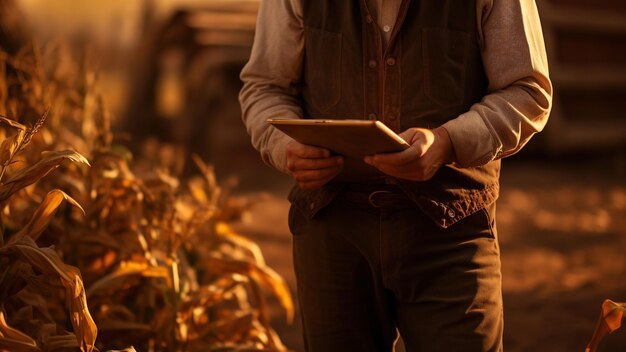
366,272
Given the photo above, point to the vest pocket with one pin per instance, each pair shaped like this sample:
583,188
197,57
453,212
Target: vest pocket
323,67
445,54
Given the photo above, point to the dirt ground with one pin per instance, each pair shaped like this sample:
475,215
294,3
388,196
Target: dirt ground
562,230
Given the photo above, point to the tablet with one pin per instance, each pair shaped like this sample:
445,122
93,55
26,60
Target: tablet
350,138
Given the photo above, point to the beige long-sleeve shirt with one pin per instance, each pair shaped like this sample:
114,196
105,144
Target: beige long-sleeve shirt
519,93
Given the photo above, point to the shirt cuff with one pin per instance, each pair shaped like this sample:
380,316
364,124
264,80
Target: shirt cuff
277,154
472,141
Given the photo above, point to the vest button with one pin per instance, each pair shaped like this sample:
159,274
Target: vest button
391,117
390,181
372,116
369,19
391,61
372,63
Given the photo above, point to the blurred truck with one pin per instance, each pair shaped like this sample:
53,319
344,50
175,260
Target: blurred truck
586,43
185,85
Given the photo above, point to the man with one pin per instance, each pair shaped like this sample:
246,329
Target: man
409,244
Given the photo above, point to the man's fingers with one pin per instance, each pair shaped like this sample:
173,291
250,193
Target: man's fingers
317,175
314,164
315,179
419,146
409,155
419,162
400,158
408,135
307,151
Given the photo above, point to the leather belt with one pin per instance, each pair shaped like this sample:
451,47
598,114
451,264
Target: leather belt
378,197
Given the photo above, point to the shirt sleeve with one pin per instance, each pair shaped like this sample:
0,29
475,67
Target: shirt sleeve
520,93
271,77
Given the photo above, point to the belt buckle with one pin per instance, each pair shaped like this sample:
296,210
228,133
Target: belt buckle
370,198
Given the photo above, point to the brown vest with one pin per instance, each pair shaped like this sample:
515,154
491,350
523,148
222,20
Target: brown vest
431,72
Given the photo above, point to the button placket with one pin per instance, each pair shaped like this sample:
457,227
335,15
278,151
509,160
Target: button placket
373,64
392,91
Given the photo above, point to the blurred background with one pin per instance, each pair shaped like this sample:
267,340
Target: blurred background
169,69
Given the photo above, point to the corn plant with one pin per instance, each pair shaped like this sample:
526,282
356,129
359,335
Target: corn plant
140,257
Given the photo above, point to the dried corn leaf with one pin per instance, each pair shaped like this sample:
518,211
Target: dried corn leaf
29,175
206,296
12,123
224,329
273,335
44,214
209,177
262,274
610,320
84,326
48,262
14,340
9,147
126,269
262,326
227,234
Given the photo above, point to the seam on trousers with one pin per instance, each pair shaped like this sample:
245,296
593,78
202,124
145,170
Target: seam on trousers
380,249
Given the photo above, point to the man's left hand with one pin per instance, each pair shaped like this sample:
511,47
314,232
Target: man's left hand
428,151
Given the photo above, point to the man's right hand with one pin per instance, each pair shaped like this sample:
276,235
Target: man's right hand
312,167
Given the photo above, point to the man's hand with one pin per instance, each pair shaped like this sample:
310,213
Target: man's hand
312,167
429,150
